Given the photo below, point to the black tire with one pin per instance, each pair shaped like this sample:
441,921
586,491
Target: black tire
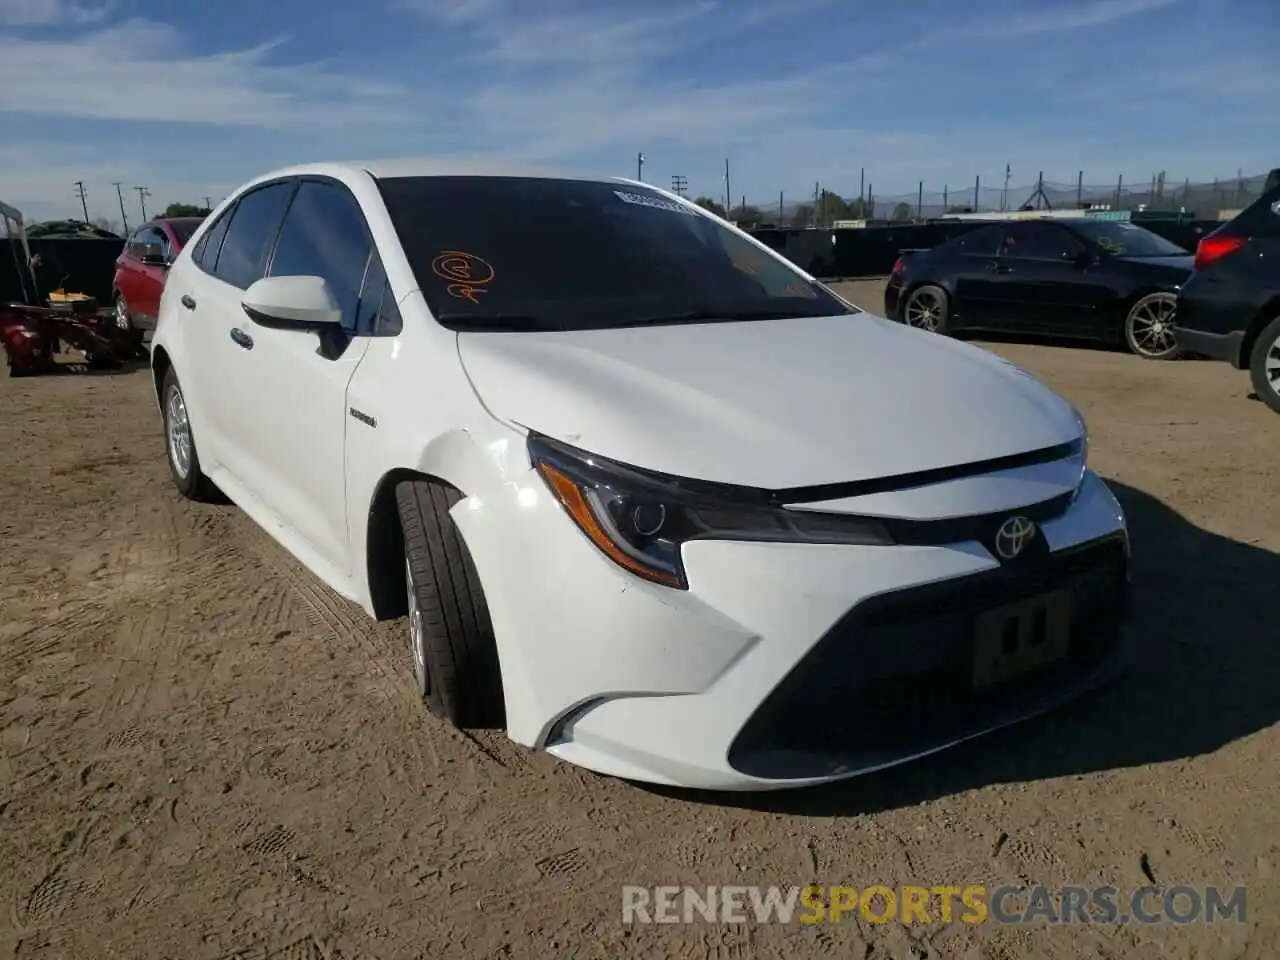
1264,365
933,307
192,483
457,667
1147,313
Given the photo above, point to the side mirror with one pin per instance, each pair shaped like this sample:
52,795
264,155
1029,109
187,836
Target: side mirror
292,303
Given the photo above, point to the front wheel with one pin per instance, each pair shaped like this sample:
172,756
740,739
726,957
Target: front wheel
455,659
1264,365
1150,329
120,315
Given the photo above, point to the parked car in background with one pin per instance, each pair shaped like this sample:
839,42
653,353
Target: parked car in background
651,497
142,267
1081,278
1230,308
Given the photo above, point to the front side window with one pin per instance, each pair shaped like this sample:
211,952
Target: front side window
324,235
547,254
252,230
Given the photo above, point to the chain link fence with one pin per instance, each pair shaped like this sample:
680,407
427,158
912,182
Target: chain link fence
1205,200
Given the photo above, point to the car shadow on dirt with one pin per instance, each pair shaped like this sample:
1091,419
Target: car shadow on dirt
1203,676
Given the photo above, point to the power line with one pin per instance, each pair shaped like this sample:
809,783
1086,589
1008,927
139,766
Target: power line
679,184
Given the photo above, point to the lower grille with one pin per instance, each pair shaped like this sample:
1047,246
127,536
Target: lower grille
894,677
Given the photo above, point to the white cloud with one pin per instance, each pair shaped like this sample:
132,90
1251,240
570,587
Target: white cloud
45,13
161,80
1071,16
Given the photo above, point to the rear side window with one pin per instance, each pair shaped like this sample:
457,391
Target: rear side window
324,235
1038,241
977,243
1259,219
249,236
205,255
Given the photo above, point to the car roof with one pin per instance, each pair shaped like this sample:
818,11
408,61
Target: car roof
437,167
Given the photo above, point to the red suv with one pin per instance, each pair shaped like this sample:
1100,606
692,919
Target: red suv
141,269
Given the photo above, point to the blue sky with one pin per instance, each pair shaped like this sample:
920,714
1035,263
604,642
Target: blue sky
192,98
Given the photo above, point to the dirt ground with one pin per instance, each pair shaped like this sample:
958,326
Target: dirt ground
203,753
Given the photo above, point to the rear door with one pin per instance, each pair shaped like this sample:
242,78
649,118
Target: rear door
231,256
974,258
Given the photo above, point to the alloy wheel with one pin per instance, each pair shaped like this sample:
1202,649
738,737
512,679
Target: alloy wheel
925,310
1271,366
178,430
1152,327
122,314
417,638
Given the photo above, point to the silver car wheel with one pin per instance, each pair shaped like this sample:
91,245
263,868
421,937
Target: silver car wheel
417,639
178,431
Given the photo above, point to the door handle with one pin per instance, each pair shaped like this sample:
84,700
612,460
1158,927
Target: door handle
994,267
241,338
188,301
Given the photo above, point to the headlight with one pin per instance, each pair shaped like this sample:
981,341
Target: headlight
640,519
1082,445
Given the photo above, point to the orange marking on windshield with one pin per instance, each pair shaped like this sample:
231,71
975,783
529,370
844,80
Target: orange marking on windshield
467,272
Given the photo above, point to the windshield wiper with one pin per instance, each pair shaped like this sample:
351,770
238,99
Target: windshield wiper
503,322
728,316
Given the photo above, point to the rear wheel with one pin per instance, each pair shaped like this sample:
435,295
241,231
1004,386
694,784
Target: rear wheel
1149,327
455,659
180,444
928,308
1264,365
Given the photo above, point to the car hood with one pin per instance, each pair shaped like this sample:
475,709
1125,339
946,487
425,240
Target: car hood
1177,267
769,404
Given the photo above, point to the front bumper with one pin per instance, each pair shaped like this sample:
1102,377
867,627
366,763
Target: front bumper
784,664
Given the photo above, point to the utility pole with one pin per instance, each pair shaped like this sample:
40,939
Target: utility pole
1080,189
1004,194
862,189
728,194
977,187
779,207
640,167
817,204
84,205
124,218
920,201
208,203
143,193
679,184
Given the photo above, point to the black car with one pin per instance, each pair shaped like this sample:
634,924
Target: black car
1230,308
1089,278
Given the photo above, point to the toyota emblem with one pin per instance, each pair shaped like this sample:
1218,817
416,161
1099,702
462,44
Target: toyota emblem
1013,536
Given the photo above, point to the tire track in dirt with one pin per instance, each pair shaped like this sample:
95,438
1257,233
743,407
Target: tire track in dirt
332,616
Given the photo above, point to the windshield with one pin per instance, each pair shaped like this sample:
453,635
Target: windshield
520,253
1127,239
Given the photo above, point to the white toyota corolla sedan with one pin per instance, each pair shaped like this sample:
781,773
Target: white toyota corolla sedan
651,498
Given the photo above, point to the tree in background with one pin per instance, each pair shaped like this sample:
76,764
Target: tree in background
706,203
185,210
802,215
746,216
